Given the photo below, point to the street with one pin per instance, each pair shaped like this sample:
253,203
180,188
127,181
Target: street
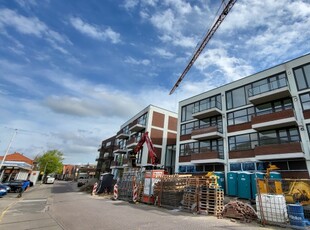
62,206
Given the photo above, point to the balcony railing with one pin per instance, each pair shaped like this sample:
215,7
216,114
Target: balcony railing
207,106
274,120
277,84
270,91
207,132
137,126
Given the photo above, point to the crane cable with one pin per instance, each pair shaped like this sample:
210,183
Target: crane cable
205,40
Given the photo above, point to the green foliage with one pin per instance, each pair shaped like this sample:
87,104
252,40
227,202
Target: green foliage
51,162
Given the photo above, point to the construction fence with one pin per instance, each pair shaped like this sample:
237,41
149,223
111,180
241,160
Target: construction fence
283,202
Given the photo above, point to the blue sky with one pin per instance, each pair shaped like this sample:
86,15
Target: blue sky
72,72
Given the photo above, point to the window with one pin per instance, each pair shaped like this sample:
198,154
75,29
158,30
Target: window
235,167
268,84
142,119
187,112
302,77
202,146
274,106
208,103
240,116
187,128
305,101
243,142
280,136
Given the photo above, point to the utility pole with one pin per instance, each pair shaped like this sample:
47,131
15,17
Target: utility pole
44,172
6,153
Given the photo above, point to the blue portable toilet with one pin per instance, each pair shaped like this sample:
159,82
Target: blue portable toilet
221,179
255,175
275,175
232,178
244,185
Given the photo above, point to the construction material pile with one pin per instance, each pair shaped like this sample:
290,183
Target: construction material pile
168,191
239,210
127,182
202,195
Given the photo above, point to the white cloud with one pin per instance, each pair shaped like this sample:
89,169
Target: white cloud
94,31
131,60
163,53
31,26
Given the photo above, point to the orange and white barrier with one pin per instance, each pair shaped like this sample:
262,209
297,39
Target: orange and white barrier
94,189
135,193
115,193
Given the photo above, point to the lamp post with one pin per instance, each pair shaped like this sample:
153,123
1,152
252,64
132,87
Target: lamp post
44,171
6,153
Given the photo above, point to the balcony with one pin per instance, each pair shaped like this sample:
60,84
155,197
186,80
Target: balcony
186,158
136,126
269,91
205,133
116,164
120,150
122,135
274,120
207,110
132,142
236,154
279,151
206,156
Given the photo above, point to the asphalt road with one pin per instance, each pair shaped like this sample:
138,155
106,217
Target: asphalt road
62,206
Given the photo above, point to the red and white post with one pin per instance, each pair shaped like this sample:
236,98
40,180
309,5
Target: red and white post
115,192
135,193
94,189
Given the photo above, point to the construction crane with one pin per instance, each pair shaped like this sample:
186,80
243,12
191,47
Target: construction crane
226,8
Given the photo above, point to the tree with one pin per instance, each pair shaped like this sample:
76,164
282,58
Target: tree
50,162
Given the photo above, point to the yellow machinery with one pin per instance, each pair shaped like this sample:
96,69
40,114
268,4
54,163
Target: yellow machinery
295,191
299,192
264,185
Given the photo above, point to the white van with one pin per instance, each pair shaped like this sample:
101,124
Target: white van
83,179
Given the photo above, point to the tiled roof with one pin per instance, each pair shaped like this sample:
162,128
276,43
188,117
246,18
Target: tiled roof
17,157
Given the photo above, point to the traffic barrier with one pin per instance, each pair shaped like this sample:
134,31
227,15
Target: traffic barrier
94,189
115,192
135,193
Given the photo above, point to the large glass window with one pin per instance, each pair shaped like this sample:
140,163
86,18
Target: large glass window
243,142
202,146
187,128
187,112
279,136
305,101
240,116
208,103
142,119
237,97
302,77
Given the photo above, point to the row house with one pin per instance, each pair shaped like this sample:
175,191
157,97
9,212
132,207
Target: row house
161,125
250,123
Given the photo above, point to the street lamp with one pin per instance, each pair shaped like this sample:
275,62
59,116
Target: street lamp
6,153
44,171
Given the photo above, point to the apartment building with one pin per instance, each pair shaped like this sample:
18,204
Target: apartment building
247,124
161,125
106,155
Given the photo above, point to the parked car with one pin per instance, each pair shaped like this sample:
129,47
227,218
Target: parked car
15,185
3,190
49,180
7,187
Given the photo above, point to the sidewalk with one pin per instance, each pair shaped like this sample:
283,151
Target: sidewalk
9,200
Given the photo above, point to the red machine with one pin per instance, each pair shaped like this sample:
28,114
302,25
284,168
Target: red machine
144,139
